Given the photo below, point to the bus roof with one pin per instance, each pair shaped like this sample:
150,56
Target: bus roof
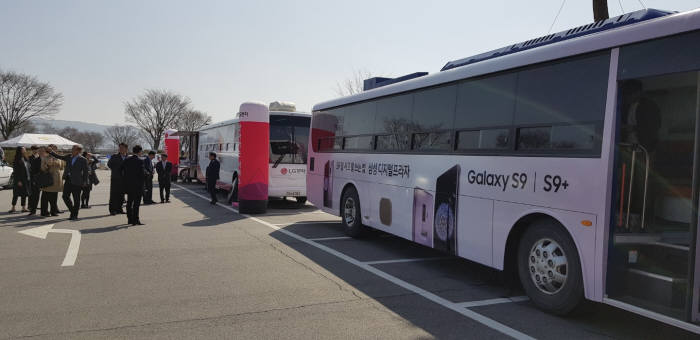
599,40
235,120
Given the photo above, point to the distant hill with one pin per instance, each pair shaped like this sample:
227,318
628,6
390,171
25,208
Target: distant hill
60,124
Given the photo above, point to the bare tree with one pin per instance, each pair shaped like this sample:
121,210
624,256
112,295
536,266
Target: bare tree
144,138
90,140
354,84
600,10
27,127
192,120
156,111
23,97
70,133
122,134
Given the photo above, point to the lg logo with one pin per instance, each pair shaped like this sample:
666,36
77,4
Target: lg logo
285,171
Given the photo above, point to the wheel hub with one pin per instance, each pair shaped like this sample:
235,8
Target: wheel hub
349,211
548,266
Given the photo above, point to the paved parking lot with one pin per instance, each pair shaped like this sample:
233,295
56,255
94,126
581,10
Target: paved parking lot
196,270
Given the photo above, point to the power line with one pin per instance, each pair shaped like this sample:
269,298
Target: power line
642,3
556,16
622,9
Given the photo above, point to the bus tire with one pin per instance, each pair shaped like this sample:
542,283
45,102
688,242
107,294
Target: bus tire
549,268
233,195
301,200
351,214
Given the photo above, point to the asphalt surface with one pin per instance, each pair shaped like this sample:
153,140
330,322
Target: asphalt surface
201,271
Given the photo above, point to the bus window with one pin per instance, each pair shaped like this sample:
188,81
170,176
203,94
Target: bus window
289,136
393,123
487,139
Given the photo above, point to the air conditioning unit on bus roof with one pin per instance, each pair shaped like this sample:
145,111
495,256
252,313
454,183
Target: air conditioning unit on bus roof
283,106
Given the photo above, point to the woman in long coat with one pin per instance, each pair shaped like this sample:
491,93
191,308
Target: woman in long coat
20,173
50,193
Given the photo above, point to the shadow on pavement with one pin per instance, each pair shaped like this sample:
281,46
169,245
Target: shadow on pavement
214,215
21,221
459,280
104,229
452,278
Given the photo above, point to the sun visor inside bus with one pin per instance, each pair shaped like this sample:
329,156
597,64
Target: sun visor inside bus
254,157
603,25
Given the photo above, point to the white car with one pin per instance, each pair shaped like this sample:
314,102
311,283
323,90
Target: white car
5,172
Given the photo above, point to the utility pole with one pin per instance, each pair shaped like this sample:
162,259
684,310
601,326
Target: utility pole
600,10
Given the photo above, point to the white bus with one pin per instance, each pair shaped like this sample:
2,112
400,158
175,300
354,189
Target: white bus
289,136
571,161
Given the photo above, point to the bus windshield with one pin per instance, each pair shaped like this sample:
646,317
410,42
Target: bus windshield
289,137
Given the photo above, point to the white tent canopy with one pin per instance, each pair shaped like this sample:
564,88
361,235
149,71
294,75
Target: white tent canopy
39,139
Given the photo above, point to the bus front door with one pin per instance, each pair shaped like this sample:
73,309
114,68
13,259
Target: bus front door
652,253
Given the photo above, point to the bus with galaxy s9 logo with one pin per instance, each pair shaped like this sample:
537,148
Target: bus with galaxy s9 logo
571,161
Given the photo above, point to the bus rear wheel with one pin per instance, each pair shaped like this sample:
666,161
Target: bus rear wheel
549,268
351,214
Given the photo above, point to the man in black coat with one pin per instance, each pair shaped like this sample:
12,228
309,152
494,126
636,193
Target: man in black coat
133,173
75,177
116,185
212,176
148,186
164,169
34,171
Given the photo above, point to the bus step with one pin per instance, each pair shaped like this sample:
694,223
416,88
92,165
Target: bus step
658,288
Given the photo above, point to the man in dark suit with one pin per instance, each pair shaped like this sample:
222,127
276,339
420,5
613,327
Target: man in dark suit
75,178
116,185
134,174
34,170
212,176
164,169
148,186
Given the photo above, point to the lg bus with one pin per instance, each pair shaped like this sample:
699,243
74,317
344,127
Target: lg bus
289,136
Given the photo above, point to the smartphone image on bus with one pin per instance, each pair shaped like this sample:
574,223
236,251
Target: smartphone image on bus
328,184
445,219
423,206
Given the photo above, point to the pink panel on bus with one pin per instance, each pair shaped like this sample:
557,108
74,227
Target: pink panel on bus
172,149
254,160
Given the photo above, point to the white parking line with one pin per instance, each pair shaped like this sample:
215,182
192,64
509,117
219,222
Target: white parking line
418,259
331,238
493,324
314,222
488,302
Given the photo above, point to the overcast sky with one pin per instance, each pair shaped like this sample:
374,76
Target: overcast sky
100,54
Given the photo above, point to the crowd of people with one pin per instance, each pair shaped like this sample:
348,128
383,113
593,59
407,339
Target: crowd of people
132,177
42,172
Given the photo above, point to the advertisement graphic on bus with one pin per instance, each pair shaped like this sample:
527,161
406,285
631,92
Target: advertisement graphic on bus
569,160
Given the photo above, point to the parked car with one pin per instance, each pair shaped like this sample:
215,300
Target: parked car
103,162
5,173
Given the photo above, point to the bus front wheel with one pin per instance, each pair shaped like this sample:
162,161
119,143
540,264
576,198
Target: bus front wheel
549,268
350,213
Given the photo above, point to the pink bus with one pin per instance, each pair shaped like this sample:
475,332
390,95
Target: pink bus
571,161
